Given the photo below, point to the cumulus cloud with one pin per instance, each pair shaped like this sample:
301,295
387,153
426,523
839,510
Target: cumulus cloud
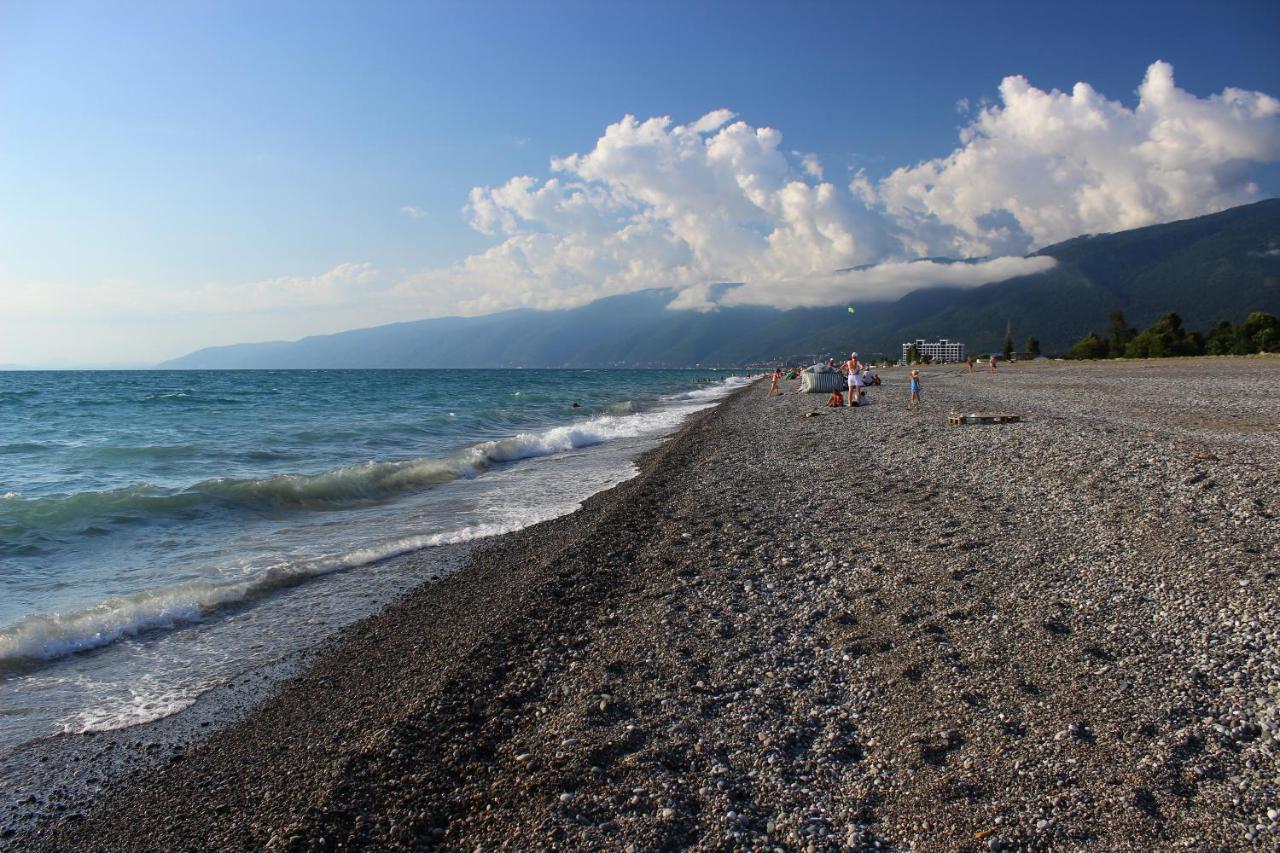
1040,167
413,212
655,203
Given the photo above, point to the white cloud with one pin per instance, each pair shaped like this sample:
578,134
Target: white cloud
1040,167
872,284
812,166
413,212
660,204
655,203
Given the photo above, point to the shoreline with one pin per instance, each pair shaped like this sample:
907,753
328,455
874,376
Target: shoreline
952,637
53,775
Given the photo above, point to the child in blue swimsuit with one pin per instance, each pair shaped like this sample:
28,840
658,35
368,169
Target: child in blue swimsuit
915,387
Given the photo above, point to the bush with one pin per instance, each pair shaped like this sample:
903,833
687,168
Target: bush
1090,346
1261,332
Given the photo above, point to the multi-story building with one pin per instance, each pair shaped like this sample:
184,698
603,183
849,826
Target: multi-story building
937,351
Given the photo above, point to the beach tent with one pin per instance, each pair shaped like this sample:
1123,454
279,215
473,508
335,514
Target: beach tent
821,379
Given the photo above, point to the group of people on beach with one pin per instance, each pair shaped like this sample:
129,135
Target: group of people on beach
858,375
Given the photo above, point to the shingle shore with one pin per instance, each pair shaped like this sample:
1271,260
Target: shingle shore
860,628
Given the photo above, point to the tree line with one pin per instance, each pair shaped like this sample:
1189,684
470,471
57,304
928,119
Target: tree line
1166,337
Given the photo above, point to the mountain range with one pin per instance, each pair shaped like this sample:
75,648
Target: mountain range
1215,267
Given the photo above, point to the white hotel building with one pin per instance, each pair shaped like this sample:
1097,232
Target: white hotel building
939,351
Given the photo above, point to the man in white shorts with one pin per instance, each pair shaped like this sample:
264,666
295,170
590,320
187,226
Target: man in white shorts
854,368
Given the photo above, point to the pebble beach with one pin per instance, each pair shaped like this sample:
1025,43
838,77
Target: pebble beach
803,628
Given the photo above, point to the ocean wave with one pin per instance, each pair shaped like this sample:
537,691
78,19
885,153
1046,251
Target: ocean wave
20,515
711,392
355,485
49,636
32,521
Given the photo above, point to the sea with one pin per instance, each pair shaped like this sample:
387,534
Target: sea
163,532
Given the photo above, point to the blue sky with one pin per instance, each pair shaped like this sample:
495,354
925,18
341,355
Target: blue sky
187,152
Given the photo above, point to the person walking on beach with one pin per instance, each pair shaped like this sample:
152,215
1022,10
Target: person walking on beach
854,369
992,364
915,390
774,390
970,360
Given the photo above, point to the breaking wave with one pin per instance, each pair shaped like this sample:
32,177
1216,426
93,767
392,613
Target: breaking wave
341,488
48,636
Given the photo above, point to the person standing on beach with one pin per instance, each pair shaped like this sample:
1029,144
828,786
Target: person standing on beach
774,390
915,390
970,360
854,368
992,364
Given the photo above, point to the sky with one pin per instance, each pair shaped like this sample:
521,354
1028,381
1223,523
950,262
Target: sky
179,175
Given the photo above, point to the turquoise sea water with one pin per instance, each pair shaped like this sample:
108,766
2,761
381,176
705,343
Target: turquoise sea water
162,531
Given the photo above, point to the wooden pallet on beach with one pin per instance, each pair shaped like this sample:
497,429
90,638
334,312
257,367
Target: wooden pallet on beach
958,420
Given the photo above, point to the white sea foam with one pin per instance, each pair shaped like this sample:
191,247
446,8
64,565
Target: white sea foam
149,699
47,636
711,392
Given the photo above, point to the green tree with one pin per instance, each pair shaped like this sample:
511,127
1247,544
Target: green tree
1164,338
913,354
1261,332
1121,334
1222,339
1033,347
1090,346
1007,349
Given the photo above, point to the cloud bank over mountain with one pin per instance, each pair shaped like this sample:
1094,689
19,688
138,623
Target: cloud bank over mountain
715,200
